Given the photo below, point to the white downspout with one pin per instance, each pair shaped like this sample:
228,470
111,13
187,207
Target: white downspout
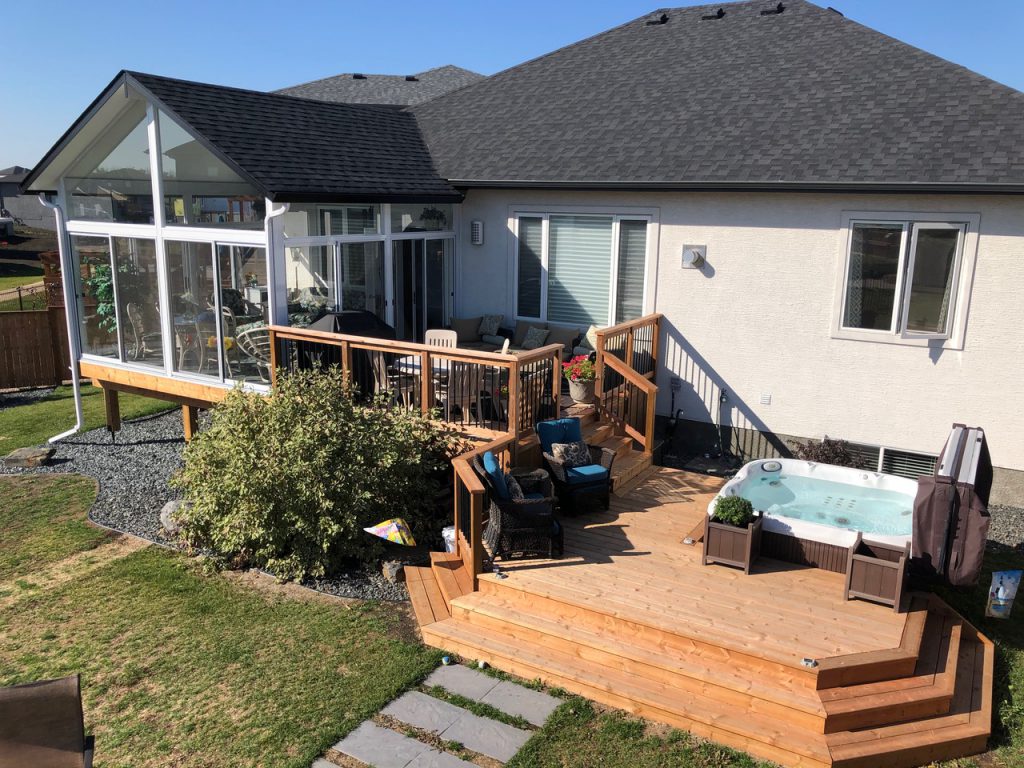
70,314
272,270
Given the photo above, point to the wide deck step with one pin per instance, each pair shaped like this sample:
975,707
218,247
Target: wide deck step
453,578
425,595
926,693
963,731
763,735
704,671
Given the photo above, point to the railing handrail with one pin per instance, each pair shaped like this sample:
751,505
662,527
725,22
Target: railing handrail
476,355
640,322
627,372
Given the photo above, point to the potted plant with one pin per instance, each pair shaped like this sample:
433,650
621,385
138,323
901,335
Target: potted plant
580,373
733,535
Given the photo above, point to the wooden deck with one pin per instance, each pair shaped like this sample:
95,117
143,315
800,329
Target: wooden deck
631,618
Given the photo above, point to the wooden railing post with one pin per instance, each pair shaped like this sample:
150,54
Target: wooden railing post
346,360
556,383
426,380
513,398
652,397
655,341
476,537
629,347
599,374
273,357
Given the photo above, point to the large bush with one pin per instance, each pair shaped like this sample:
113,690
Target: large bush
288,482
825,451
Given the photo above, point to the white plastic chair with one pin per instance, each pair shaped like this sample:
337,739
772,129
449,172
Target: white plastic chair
441,338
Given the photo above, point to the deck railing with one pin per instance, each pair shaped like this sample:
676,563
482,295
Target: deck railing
627,362
470,497
484,391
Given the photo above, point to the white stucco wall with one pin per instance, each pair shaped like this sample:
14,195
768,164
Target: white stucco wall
758,318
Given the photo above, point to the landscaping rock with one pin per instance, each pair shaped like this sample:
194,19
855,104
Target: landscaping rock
393,571
29,457
168,516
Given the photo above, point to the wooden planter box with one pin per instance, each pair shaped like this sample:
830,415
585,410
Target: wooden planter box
729,545
877,572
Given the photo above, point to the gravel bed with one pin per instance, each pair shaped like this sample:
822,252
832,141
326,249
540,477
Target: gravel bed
22,397
133,470
1006,526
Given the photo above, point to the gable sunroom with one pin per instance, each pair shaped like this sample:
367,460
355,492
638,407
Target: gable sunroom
194,216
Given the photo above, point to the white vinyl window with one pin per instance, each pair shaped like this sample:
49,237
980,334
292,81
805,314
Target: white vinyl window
580,269
903,279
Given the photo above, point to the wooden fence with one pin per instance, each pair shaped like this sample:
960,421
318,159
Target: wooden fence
33,348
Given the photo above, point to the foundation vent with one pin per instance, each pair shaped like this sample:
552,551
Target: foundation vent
893,461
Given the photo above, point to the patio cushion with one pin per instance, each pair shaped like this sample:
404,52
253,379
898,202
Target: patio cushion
467,329
558,431
489,324
497,475
535,338
493,339
590,473
41,724
534,496
515,490
563,336
522,327
574,454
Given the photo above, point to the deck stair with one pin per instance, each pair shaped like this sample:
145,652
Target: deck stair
890,713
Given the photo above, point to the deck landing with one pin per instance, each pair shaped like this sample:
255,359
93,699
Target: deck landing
629,617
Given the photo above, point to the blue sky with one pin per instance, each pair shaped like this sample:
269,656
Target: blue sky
59,56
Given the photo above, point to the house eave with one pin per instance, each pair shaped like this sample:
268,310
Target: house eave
367,196
876,187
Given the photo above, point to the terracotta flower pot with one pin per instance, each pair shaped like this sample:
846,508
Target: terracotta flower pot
581,391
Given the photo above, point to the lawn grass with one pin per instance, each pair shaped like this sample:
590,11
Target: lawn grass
30,301
196,669
12,275
33,423
42,520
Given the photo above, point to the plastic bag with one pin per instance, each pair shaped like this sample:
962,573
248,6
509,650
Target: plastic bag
1001,593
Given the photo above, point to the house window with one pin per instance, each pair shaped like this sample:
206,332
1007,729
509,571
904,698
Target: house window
902,277
580,269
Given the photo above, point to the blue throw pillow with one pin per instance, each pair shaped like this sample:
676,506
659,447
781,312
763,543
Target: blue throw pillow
496,473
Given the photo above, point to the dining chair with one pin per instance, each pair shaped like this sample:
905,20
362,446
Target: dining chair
437,337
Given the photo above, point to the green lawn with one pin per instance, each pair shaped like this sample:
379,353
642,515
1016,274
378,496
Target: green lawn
32,424
27,302
43,521
194,669
12,275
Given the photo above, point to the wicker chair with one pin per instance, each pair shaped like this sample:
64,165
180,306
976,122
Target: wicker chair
574,483
521,527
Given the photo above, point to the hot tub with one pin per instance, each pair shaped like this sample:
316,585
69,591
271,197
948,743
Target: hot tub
813,512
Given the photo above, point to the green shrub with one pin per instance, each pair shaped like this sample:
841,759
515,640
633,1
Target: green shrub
734,510
288,482
825,451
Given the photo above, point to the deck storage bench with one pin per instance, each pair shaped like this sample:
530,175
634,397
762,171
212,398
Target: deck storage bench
876,571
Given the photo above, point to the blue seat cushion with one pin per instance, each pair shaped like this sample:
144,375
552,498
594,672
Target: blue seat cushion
497,475
565,430
534,496
590,473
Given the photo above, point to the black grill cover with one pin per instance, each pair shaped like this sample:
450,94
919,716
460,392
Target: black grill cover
368,368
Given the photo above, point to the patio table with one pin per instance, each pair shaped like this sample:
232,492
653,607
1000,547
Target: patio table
410,364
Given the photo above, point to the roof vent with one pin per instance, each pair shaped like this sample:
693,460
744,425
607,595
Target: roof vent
776,10
718,15
830,8
411,79
663,19
358,76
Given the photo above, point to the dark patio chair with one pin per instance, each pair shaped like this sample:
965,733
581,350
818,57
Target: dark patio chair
41,725
519,527
575,483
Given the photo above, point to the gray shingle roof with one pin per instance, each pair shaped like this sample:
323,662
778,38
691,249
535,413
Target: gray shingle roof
804,97
385,89
296,149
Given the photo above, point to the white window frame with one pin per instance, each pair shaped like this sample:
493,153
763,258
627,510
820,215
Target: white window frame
617,214
963,276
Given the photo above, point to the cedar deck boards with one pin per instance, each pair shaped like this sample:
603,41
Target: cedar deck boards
630,618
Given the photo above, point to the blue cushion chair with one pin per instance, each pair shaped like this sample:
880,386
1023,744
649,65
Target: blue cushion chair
518,527
575,483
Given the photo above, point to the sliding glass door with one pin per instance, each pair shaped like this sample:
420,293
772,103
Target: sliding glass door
424,286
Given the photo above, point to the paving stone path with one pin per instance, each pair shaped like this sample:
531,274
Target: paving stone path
441,721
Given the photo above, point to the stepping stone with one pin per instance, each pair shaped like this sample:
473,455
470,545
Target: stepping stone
513,699
434,759
488,737
463,681
424,711
321,763
380,747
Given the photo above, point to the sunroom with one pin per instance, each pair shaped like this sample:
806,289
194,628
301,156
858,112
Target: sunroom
194,217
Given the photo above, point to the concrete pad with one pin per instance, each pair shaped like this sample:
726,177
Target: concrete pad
434,759
513,699
463,681
488,737
423,711
321,763
380,747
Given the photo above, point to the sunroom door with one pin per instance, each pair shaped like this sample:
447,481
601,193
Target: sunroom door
424,281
